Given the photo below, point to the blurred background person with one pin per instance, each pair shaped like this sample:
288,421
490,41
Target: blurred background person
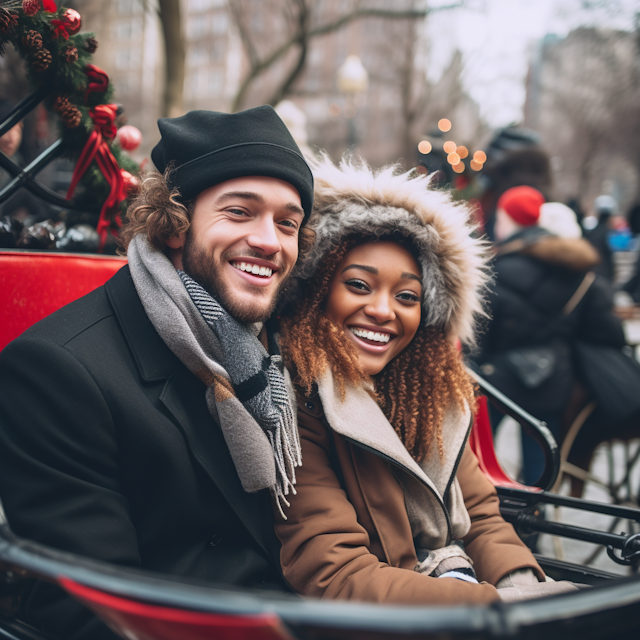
545,296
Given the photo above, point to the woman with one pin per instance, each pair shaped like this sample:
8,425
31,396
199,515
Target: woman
389,497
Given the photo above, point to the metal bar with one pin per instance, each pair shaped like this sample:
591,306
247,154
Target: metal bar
47,156
43,193
530,522
25,106
513,497
537,429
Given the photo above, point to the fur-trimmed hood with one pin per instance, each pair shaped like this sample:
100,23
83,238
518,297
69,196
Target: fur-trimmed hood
575,254
352,199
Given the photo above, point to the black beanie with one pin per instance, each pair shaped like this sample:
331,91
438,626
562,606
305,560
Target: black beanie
208,147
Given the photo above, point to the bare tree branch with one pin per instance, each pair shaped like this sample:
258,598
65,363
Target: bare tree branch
257,67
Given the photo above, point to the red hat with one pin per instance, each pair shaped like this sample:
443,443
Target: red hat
522,204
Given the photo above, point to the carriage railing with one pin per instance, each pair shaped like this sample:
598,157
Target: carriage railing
25,178
522,508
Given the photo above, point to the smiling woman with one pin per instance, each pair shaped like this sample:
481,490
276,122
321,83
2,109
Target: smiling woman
389,498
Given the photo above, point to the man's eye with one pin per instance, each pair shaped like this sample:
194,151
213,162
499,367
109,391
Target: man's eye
238,212
291,224
408,296
358,284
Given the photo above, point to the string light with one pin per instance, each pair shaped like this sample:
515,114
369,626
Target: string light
475,165
462,151
425,147
453,159
480,156
444,125
449,146
459,168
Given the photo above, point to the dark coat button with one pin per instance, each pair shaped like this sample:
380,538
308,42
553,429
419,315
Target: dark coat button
216,538
311,406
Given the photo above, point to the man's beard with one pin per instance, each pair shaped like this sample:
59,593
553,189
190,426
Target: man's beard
198,264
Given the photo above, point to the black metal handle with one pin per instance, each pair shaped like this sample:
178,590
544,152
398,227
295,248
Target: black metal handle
537,429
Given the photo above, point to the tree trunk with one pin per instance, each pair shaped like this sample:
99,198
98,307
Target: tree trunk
174,50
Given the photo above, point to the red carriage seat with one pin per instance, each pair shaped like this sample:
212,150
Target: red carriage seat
34,285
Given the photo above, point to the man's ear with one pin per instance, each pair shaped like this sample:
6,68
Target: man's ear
176,242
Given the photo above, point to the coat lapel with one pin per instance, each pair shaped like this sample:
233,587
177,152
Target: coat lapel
184,397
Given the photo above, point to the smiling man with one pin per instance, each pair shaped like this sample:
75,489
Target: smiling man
151,423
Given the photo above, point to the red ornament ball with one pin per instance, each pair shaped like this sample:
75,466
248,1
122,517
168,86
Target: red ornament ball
129,137
73,21
30,7
131,182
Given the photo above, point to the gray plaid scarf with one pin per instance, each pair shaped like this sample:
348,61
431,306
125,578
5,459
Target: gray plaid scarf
249,391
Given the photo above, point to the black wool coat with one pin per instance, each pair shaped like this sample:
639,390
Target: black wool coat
532,285
107,450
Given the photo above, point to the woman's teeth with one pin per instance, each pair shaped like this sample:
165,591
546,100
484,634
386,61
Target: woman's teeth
254,269
370,335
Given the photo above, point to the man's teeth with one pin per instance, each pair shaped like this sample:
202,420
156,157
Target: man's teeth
254,269
370,335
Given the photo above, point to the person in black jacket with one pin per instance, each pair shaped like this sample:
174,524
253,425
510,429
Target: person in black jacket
144,425
544,297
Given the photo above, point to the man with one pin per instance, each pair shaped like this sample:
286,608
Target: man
149,423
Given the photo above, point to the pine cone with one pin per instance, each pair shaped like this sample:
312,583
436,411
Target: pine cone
91,45
71,116
70,54
8,20
60,104
30,7
41,60
32,39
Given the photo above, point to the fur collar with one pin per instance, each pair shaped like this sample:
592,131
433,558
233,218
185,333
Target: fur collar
353,199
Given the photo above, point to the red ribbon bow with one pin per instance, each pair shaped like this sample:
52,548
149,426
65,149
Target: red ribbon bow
96,148
98,80
60,29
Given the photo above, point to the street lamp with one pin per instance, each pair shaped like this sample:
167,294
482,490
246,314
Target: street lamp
352,80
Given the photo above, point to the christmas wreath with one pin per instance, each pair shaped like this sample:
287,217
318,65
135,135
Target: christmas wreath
57,55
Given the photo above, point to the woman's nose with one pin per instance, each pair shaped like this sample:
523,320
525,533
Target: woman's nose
380,309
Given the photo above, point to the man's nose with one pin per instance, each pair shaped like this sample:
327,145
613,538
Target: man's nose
380,308
264,236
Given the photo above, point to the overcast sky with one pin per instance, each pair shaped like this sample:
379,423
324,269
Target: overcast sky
497,36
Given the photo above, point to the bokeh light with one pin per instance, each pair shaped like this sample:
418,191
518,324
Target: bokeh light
475,165
444,125
449,146
425,147
459,168
480,156
462,151
334,109
453,159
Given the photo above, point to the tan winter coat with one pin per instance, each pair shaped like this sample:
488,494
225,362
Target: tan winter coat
348,534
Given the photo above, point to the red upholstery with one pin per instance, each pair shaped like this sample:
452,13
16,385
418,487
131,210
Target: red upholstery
33,285
481,443
152,622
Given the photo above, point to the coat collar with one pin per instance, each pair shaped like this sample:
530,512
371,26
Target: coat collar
153,358
359,418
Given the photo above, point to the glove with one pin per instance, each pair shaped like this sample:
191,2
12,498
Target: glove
523,584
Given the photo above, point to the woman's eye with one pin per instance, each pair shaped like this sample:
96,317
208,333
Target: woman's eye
358,284
408,296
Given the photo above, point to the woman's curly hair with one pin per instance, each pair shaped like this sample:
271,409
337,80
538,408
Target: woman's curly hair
414,390
158,212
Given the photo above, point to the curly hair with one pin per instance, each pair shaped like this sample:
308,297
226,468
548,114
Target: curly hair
158,212
414,390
